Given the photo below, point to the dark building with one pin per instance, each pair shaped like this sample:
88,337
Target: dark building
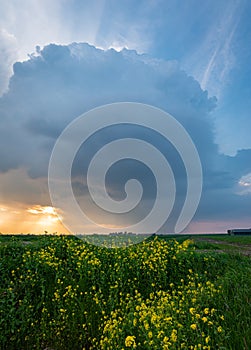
239,231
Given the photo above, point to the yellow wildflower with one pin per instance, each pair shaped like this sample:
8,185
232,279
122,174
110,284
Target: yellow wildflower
207,339
191,310
130,341
174,336
219,329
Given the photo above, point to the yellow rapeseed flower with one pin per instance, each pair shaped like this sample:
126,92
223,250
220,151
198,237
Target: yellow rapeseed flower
206,310
219,329
191,310
174,335
165,340
150,334
130,341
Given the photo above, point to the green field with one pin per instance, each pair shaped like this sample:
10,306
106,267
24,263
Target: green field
63,293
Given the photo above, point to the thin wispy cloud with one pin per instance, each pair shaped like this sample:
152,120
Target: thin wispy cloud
8,55
215,57
222,60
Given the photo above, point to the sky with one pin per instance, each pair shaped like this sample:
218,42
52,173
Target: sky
60,59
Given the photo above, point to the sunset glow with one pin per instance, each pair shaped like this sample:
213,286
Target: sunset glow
36,219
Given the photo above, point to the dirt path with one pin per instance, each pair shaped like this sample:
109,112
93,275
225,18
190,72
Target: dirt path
244,249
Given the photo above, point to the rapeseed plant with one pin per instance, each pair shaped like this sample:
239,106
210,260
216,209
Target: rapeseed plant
65,293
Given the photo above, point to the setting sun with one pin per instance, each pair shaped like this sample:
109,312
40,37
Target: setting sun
35,219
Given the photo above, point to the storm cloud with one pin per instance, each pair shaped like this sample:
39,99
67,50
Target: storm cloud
58,83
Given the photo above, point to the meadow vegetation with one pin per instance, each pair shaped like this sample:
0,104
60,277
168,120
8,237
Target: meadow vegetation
62,293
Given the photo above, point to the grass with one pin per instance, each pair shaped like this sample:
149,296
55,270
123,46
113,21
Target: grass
224,242
206,245
203,245
233,239
63,293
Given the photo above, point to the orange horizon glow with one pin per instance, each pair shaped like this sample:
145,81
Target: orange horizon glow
36,219
40,219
